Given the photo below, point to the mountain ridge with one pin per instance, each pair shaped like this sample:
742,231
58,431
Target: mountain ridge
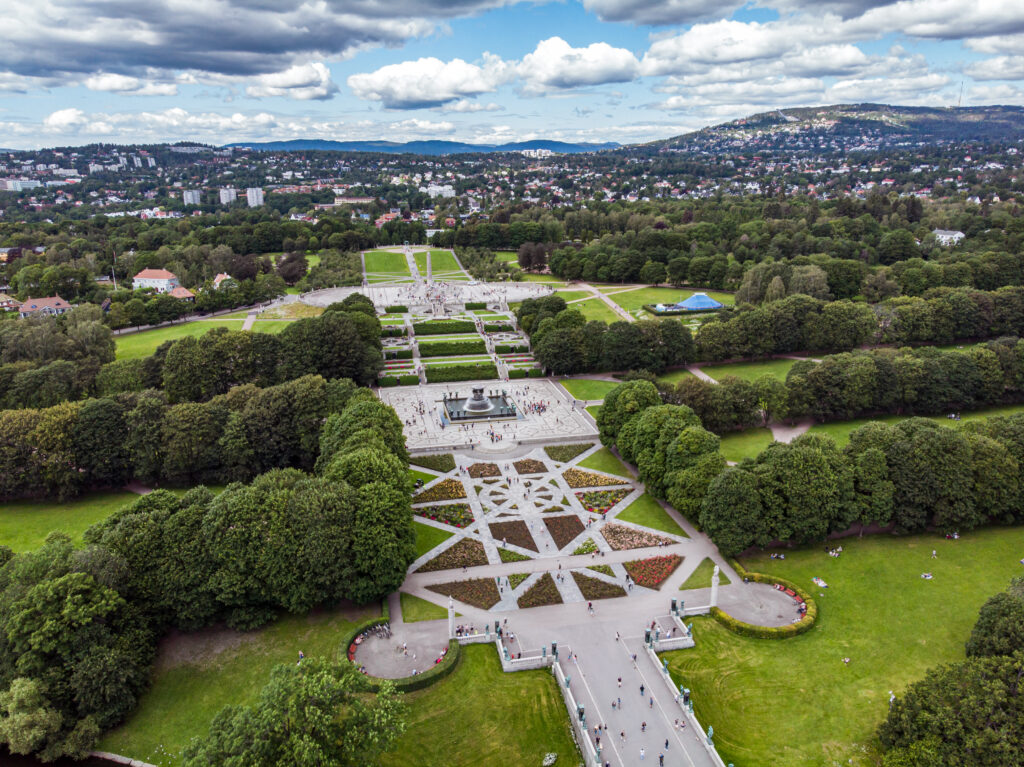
429,147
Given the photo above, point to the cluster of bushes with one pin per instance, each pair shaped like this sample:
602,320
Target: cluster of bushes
525,373
498,327
482,265
398,354
470,305
337,267
452,348
396,309
99,443
443,327
392,331
449,373
511,348
909,476
981,695
410,379
806,622
924,381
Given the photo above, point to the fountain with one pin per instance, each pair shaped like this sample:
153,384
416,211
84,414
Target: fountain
480,406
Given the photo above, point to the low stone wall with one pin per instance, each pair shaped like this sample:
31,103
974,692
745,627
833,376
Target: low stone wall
533,660
585,746
474,638
118,759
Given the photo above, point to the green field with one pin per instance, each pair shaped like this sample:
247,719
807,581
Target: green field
427,537
596,309
270,326
415,609
24,525
646,511
737,445
751,371
594,410
675,376
604,460
312,259
506,256
135,345
548,279
701,577
480,715
386,262
198,673
415,474
572,295
793,702
635,299
443,261
584,388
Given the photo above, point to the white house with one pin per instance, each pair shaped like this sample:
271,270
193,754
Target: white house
947,237
160,280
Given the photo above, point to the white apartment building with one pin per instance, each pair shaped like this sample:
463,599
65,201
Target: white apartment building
254,196
192,197
228,195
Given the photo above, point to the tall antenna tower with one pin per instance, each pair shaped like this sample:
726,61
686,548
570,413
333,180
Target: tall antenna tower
959,100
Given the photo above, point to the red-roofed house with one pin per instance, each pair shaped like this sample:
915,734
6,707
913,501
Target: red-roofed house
9,303
183,293
219,279
160,280
53,305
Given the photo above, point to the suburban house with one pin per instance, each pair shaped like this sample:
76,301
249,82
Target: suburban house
9,303
160,280
219,280
947,237
53,305
183,293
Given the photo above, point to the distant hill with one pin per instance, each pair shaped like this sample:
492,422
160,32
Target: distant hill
419,147
848,122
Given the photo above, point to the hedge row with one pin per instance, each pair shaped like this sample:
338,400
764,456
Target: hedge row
768,632
405,380
441,327
443,462
398,354
525,373
409,379
498,327
452,348
448,373
511,348
392,331
386,382
476,305
396,309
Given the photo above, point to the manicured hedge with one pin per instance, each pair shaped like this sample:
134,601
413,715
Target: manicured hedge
476,305
392,331
535,373
516,373
445,374
511,348
441,327
410,379
498,327
435,673
398,354
452,348
768,632
387,381
443,462
396,309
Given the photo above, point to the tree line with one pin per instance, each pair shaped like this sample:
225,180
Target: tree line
79,626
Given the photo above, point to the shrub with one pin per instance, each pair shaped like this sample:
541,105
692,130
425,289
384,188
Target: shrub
587,547
387,381
535,373
516,373
603,569
449,373
408,380
398,354
478,592
768,632
452,348
565,453
620,537
498,327
512,556
516,578
442,327
454,514
578,478
511,348
476,305
443,462
392,331
396,309
543,592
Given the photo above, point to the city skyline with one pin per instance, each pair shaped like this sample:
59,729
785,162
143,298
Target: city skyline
481,71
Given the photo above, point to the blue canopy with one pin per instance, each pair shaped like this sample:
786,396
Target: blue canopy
699,302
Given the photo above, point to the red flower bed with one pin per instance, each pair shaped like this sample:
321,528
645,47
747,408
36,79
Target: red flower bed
652,572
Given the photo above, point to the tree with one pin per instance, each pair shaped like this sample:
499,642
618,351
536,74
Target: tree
653,273
776,290
311,714
731,513
1000,626
623,403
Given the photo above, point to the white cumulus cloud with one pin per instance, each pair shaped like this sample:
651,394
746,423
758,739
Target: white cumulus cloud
430,82
303,82
556,65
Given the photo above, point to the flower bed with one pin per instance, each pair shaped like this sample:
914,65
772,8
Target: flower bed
652,572
516,578
507,555
454,514
579,478
465,553
529,466
603,569
516,533
620,537
445,490
594,588
543,592
439,462
587,547
564,528
478,592
565,453
479,470
600,501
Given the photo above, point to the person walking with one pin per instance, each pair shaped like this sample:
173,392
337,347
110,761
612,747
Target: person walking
661,760
620,681
641,754
641,691
643,726
652,702
620,703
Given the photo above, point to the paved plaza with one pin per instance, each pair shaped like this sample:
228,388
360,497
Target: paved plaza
547,414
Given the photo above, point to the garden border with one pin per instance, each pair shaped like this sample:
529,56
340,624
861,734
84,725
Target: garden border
768,632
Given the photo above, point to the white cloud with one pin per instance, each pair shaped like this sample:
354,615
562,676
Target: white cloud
303,82
115,83
998,68
997,44
1003,93
770,91
941,19
467,106
65,120
430,82
555,65
890,90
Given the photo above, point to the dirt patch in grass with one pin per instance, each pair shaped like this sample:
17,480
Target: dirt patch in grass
620,537
564,528
479,470
516,533
543,592
594,588
465,553
478,592
530,466
565,453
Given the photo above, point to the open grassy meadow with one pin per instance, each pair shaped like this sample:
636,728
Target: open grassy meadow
750,371
604,460
631,300
646,511
135,345
386,262
596,309
584,388
24,525
415,609
737,445
427,537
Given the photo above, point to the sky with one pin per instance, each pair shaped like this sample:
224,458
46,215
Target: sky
482,71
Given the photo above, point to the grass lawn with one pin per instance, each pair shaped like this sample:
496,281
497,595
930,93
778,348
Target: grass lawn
442,261
594,410
793,702
386,262
506,255
572,295
548,279
312,259
701,577
24,525
478,713
647,512
605,461
143,344
198,673
415,609
751,371
270,326
675,376
583,388
596,309
737,445
415,474
635,299
427,537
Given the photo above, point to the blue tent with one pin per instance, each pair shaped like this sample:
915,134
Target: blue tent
699,302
